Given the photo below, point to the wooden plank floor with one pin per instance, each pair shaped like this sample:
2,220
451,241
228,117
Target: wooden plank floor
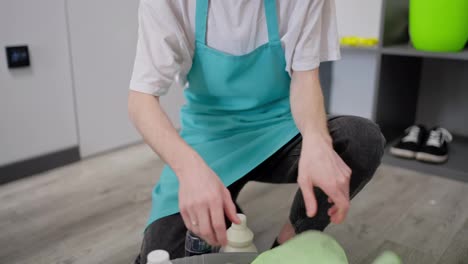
94,211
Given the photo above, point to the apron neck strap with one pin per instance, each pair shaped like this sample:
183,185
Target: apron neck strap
201,19
272,20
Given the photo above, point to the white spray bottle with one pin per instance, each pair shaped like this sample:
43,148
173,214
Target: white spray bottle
240,237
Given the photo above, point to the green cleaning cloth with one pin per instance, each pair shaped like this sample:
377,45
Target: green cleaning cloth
315,247
306,248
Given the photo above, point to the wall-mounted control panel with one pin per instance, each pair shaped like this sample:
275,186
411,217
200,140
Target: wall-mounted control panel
18,56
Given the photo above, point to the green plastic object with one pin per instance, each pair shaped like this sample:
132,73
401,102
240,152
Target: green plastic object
439,25
315,247
306,248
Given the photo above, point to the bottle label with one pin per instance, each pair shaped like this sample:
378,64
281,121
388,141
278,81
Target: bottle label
195,245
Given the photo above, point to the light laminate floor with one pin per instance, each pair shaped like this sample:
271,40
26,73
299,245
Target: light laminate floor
94,212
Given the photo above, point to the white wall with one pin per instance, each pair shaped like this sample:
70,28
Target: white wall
353,85
172,102
103,37
36,104
37,113
359,17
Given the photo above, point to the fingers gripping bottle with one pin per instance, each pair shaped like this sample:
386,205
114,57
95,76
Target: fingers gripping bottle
158,257
240,238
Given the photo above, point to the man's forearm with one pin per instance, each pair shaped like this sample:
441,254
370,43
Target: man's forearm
307,105
159,133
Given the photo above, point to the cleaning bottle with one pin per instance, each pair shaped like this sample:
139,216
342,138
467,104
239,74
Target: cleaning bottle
158,257
240,237
194,245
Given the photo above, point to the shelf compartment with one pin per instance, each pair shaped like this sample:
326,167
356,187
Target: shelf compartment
399,83
455,168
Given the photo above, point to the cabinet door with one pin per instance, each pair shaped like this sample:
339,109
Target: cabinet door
103,43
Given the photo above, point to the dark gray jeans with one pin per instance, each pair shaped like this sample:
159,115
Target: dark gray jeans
359,143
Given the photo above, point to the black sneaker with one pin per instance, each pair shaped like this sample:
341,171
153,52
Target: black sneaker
435,149
410,143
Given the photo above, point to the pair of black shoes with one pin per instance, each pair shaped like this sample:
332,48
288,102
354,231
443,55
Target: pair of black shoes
423,145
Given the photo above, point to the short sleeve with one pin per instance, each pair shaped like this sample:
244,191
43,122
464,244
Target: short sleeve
318,41
162,53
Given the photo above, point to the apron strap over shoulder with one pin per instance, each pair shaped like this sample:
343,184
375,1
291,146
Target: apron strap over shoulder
272,20
201,19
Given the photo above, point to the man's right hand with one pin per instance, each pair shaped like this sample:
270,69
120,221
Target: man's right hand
203,201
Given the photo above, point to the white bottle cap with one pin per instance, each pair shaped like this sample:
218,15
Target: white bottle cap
240,237
243,223
158,257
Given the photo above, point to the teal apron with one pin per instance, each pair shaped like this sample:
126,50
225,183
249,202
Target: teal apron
237,112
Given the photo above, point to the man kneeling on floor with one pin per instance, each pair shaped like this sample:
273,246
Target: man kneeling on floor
254,111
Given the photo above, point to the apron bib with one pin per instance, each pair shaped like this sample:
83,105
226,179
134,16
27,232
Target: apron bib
237,111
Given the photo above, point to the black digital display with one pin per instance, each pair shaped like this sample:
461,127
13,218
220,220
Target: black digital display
17,56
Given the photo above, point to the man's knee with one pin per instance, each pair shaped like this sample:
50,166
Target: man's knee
364,142
167,233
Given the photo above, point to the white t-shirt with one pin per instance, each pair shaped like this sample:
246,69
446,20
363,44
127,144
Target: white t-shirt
166,38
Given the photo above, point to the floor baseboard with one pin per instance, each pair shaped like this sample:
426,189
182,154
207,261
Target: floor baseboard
29,167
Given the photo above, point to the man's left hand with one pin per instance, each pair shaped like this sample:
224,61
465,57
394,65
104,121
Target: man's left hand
322,167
